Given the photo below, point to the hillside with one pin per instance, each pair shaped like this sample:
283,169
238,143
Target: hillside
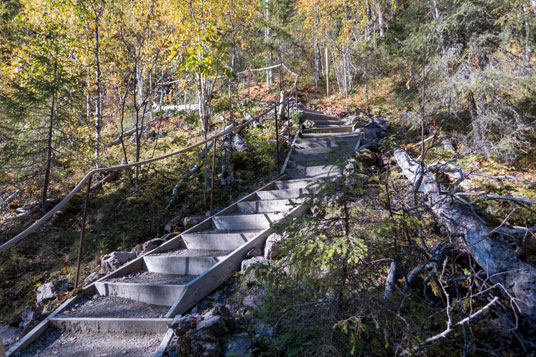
425,244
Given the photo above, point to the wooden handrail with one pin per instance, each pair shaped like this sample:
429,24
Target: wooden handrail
37,224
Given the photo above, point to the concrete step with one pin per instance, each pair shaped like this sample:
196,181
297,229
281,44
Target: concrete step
323,129
293,184
314,172
154,294
246,221
259,206
327,121
326,142
216,241
327,135
309,115
318,157
180,265
285,193
111,325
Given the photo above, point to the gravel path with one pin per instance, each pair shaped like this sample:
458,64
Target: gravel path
54,343
146,277
112,306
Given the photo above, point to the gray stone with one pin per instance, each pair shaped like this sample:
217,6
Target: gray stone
239,144
272,247
308,124
253,298
173,224
238,345
9,335
50,290
264,330
254,252
351,120
30,315
168,236
92,277
183,324
214,324
189,222
224,312
151,244
199,343
114,260
253,261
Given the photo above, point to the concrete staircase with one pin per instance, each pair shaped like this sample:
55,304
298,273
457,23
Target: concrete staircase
175,276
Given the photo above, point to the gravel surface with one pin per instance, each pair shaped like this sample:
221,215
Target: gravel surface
146,277
182,252
54,343
112,306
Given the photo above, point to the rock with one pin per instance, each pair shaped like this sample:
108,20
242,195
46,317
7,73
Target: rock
189,222
168,236
272,247
351,120
366,157
383,123
253,261
199,343
308,124
239,144
264,330
50,290
138,248
238,345
253,298
224,312
151,244
9,335
173,224
114,260
183,324
214,324
92,277
254,252
30,315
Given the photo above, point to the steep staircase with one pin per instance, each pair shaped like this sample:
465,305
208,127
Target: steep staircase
145,294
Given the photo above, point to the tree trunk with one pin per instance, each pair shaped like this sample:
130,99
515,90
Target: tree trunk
497,259
98,102
48,158
267,35
327,73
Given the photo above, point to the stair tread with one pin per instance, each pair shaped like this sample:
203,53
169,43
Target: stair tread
113,307
189,253
149,278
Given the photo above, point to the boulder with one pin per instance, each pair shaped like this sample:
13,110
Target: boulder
9,335
92,277
173,224
183,324
246,263
214,324
254,252
272,247
114,260
189,222
238,345
239,144
199,343
351,120
366,157
224,312
264,330
308,124
30,315
51,289
151,244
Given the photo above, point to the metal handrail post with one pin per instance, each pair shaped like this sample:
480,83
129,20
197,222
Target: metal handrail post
213,176
277,139
82,232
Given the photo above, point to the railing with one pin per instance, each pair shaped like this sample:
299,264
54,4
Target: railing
293,94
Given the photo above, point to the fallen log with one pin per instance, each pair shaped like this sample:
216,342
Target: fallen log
130,132
497,259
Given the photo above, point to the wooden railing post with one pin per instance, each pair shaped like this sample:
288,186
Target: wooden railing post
213,177
83,231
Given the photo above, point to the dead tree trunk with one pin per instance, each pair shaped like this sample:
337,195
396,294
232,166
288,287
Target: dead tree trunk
497,259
